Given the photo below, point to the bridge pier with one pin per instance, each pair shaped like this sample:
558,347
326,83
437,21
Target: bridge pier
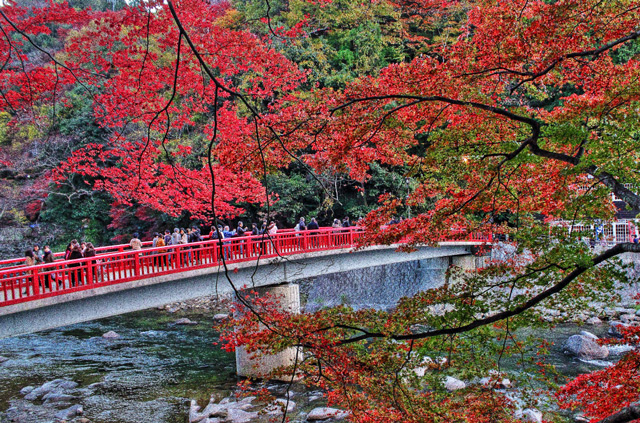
466,262
258,365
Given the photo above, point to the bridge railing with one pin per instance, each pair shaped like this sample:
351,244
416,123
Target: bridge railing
19,262
22,284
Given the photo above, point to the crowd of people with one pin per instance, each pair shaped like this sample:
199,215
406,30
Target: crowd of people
77,250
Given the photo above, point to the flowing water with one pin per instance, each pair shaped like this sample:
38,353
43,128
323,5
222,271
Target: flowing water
147,375
151,372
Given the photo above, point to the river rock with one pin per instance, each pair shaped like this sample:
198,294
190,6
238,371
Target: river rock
96,385
593,321
529,415
585,347
68,384
637,313
614,328
236,415
589,334
279,405
453,384
69,413
324,413
47,387
3,359
625,310
211,410
57,397
626,318
220,316
314,396
111,335
185,321
420,371
492,382
27,389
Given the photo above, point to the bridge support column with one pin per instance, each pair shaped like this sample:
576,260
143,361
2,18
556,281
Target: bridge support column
259,365
467,262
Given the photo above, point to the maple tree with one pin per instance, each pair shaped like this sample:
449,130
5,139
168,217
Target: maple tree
505,115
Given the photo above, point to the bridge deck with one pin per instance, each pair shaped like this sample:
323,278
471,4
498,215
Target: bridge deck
24,284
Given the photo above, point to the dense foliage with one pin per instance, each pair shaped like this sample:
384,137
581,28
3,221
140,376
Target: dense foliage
476,115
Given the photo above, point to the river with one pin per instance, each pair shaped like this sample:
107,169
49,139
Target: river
150,373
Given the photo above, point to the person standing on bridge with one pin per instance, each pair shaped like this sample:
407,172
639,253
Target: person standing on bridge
135,243
175,237
48,258
90,251
301,227
161,259
74,272
313,227
29,261
37,254
240,232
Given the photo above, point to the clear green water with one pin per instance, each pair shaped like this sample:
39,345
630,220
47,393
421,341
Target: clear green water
148,375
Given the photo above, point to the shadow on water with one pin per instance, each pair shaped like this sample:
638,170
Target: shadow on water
147,374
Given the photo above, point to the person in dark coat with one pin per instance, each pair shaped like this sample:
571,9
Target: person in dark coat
74,272
48,258
313,224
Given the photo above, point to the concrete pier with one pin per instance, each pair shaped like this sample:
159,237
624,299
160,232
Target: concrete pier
257,364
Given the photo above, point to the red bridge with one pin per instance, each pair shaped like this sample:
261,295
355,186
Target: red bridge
118,264
119,268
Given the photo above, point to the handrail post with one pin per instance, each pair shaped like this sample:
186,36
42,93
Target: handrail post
36,285
178,257
137,264
89,273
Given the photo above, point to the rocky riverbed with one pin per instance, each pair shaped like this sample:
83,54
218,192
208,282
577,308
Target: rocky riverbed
160,366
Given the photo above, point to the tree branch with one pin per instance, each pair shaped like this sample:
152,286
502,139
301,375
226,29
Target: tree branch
625,415
532,302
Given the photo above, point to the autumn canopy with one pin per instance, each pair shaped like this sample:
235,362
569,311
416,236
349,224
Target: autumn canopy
495,116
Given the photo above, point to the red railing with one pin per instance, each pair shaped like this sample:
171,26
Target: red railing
21,283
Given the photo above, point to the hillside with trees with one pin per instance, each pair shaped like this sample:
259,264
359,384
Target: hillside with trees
472,115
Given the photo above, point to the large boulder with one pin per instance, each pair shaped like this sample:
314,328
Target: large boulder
529,415
453,384
325,413
69,413
593,321
585,347
614,328
47,387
